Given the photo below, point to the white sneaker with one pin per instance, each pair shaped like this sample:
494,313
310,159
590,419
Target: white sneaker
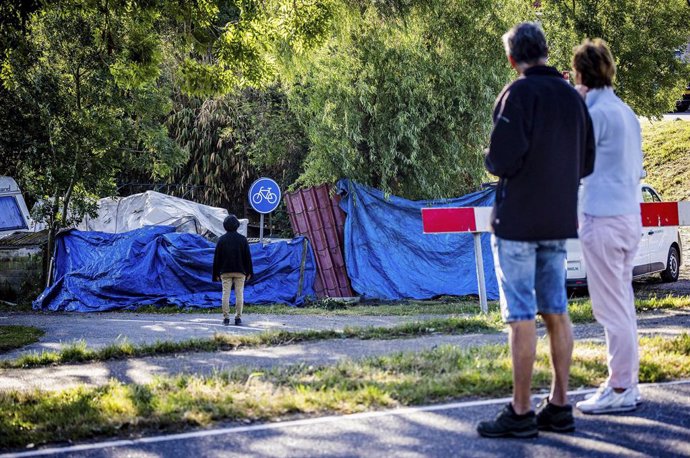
605,400
638,396
636,389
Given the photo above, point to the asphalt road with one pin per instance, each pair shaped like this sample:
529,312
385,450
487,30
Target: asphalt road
685,116
660,427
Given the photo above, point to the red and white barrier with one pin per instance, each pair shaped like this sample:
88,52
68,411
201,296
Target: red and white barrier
454,220
655,214
458,220
476,220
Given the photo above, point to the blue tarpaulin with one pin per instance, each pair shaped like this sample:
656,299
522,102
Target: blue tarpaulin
389,257
97,271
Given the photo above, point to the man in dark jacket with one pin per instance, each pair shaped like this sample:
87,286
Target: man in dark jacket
541,146
232,263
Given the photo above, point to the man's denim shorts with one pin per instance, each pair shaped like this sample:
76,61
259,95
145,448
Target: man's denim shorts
531,277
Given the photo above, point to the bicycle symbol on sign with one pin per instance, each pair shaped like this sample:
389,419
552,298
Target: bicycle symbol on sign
264,193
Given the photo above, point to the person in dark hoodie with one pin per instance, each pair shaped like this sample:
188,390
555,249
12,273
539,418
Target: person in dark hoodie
232,263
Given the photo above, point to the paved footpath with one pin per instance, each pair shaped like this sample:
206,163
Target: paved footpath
102,329
660,427
143,370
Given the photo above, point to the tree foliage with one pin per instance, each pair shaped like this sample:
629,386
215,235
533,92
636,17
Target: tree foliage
223,45
393,93
87,78
15,120
232,140
399,97
644,36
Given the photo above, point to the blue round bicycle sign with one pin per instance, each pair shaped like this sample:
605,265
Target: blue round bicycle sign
264,195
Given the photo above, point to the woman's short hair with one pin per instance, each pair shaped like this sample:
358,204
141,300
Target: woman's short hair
594,62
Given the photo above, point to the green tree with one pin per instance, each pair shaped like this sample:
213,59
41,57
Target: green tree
87,85
231,113
644,36
87,75
399,97
232,140
222,45
15,121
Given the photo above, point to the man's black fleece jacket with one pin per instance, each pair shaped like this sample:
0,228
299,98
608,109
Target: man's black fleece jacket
541,146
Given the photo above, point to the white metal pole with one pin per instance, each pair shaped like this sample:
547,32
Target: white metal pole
480,271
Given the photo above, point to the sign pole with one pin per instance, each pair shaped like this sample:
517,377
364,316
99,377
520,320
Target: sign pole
261,228
479,261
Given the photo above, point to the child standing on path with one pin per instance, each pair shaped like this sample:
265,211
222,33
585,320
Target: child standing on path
232,263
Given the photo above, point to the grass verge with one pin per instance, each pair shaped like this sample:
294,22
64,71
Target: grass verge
79,352
172,404
666,145
443,306
333,307
581,309
580,312
14,336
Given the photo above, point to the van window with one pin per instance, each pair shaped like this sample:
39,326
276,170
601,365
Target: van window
649,196
10,216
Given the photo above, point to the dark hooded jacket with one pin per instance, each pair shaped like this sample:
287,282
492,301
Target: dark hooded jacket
232,251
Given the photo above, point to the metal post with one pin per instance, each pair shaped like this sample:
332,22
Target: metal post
480,271
261,228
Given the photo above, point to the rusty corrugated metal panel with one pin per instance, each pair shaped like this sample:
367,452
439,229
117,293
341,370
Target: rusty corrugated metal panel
317,215
23,239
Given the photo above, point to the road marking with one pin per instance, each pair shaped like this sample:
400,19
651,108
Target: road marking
287,424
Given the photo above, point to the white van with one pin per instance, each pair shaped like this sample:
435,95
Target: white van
14,216
659,251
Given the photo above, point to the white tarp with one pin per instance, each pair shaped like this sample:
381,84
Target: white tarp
122,214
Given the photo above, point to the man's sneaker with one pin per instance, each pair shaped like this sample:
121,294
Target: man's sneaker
238,321
226,321
555,418
606,400
510,424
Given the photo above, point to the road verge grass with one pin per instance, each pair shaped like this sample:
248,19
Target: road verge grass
80,353
447,305
581,309
15,336
176,403
580,312
335,307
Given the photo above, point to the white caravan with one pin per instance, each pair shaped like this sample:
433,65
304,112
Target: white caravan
14,215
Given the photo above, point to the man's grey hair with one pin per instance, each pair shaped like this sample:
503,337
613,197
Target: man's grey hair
526,43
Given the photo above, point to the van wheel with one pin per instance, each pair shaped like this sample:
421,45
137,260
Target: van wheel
672,266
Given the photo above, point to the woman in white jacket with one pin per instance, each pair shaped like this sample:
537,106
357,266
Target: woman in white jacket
610,227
